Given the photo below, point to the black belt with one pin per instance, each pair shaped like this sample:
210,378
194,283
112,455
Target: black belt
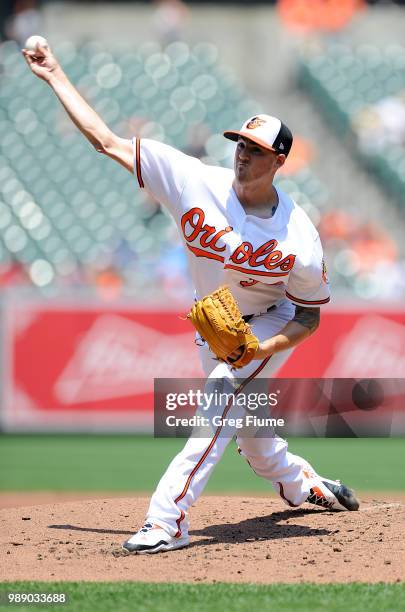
247,318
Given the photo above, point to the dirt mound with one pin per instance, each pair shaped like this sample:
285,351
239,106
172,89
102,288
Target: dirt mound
234,539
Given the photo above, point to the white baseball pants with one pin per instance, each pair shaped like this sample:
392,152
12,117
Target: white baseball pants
268,455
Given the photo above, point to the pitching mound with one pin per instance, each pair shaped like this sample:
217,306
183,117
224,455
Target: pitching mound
233,539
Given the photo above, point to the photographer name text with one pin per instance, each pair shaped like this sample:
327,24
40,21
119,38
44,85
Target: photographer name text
249,420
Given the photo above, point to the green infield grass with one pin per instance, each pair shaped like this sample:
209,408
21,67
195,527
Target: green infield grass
142,597
135,463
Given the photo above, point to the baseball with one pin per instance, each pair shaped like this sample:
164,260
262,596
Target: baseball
33,41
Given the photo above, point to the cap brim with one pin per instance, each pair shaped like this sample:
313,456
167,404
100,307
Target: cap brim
234,136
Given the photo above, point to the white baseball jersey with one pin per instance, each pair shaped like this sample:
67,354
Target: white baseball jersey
264,261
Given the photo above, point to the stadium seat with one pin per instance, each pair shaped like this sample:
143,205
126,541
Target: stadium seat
343,82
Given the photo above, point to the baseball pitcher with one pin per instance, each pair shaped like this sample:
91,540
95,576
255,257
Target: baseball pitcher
247,237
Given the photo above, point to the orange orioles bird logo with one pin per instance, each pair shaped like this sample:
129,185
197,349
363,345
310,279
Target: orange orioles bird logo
254,123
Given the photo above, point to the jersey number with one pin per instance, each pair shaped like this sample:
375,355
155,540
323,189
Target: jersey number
248,283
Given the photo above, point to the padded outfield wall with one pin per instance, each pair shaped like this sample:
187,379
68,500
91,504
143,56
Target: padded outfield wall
84,365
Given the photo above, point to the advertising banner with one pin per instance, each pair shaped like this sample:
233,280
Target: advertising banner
89,369
92,368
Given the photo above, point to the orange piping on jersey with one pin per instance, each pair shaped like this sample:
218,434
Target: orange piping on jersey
214,439
291,297
284,497
201,253
138,162
253,272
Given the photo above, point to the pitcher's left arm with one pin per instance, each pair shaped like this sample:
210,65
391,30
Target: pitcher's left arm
304,324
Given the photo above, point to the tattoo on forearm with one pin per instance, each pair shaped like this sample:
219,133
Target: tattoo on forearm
308,317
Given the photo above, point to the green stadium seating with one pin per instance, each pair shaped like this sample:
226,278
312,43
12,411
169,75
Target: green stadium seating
63,208
343,81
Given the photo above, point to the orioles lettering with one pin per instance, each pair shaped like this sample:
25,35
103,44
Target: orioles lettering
194,220
193,226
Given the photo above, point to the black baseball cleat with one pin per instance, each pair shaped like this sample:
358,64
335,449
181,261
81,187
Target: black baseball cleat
153,539
332,495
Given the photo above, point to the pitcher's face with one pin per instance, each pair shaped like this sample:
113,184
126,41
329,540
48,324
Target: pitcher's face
254,163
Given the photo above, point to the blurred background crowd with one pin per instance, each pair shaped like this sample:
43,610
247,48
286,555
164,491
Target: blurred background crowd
183,72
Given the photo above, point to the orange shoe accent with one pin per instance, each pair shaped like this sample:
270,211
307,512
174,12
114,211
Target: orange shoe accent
318,492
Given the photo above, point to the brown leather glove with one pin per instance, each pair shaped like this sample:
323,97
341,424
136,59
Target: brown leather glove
219,322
